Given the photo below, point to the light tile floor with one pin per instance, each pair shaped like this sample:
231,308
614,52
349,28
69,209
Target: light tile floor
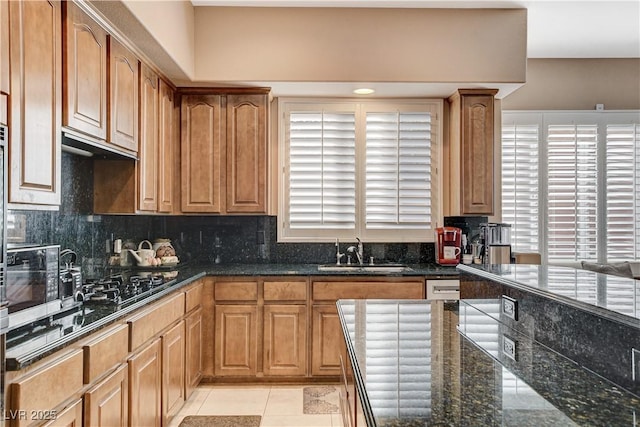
279,406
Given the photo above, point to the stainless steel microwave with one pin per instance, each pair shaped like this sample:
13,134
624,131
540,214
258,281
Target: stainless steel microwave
32,285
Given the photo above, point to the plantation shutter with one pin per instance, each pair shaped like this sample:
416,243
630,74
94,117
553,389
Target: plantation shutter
398,170
572,191
322,174
520,184
623,191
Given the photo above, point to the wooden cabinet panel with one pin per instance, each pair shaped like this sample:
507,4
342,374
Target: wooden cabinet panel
167,149
71,416
107,403
202,148
236,291
148,147
334,290
173,368
104,351
285,291
285,340
36,102
123,96
247,119
193,348
328,343
147,324
145,386
193,296
236,340
85,73
43,390
472,152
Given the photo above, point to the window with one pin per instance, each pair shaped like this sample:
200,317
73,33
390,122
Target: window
366,169
571,184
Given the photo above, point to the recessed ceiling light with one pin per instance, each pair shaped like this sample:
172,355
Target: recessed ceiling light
363,91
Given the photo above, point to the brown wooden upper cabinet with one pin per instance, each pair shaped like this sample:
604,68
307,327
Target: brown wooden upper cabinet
471,155
36,103
123,96
224,152
85,73
146,185
148,162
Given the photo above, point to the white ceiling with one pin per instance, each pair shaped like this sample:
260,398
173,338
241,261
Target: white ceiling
556,29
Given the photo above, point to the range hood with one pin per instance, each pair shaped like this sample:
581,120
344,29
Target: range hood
76,143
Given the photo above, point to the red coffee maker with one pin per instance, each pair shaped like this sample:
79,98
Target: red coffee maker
448,245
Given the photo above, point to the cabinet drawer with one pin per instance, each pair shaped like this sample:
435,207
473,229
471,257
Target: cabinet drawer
193,297
46,388
285,291
105,351
363,290
443,289
146,325
236,291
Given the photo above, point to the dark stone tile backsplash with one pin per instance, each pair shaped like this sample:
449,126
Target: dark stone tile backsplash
223,239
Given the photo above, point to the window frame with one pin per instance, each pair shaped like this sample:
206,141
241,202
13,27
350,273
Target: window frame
287,105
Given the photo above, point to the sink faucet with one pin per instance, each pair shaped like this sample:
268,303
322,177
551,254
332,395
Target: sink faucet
338,254
358,251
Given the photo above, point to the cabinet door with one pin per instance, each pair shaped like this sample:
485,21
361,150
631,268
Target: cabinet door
202,147
85,73
477,154
145,386
246,153
285,340
71,416
106,403
36,102
173,370
236,340
4,60
148,148
328,343
123,97
167,151
193,347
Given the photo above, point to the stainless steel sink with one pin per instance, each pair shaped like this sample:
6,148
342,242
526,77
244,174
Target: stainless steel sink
370,268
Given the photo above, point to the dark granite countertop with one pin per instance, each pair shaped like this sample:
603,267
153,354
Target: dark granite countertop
34,342
608,296
420,363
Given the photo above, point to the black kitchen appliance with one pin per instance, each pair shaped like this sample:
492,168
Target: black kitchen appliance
125,287
4,311
32,286
70,279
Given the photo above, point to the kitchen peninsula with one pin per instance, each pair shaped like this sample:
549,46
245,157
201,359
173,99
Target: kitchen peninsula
525,345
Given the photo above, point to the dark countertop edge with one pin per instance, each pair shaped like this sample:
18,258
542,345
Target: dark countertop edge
195,272
590,308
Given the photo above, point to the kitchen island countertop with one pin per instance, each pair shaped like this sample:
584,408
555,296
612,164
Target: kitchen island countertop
412,366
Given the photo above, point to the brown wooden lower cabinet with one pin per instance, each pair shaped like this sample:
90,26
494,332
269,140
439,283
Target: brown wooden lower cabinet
107,403
328,343
71,416
145,386
173,364
285,340
193,351
236,340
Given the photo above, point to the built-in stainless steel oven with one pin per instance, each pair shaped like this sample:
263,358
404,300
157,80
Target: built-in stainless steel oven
4,318
32,288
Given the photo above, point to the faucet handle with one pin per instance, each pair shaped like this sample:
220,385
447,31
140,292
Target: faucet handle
339,256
